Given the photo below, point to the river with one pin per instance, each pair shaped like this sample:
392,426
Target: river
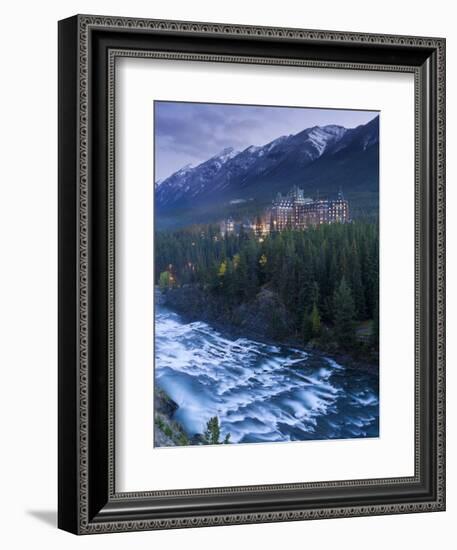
260,392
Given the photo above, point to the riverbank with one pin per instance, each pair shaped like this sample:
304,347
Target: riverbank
264,320
167,432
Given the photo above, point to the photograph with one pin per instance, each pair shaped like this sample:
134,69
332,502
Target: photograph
266,273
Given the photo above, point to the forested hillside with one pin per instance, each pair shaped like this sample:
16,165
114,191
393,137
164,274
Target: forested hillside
326,277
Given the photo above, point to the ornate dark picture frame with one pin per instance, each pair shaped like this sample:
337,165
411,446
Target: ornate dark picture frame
88,47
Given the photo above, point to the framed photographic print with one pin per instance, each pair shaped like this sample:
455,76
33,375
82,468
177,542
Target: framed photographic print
251,274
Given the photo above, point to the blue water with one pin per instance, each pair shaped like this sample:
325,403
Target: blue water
260,392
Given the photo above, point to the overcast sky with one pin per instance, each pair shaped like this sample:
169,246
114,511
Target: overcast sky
190,133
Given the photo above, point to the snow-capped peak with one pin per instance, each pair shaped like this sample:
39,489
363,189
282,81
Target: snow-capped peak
226,154
184,169
275,142
335,130
318,138
321,137
231,172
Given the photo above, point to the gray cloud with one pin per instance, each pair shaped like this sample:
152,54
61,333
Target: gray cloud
190,133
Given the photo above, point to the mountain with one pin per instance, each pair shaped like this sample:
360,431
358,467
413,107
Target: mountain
236,183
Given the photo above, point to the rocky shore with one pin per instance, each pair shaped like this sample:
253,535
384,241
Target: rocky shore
167,432
263,317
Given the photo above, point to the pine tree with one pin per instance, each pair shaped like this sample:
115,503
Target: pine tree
212,431
164,280
222,269
307,328
263,261
356,283
374,339
344,314
315,319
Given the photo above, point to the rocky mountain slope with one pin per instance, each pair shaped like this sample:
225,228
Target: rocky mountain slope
318,159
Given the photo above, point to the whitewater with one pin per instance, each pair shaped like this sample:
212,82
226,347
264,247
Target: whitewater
259,391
